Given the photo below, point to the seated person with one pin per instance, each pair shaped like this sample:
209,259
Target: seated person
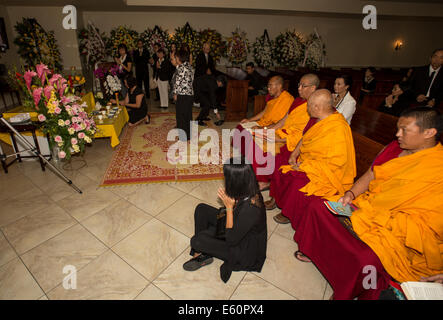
322,164
406,79
243,246
256,82
396,230
276,108
206,88
288,132
369,83
135,102
427,82
396,102
343,101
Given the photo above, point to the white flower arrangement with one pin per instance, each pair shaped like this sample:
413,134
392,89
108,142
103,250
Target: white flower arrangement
112,84
315,52
289,49
262,51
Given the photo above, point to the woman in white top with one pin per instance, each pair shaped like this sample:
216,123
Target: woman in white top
343,101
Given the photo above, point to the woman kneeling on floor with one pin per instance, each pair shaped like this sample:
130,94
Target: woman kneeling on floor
240,237
135,103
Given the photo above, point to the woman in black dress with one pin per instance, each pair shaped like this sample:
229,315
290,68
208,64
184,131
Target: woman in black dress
135,103
243,247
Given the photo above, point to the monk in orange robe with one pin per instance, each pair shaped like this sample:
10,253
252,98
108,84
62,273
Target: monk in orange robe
322,164
396,232
275,110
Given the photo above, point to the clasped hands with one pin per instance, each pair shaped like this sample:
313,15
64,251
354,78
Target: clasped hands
227,201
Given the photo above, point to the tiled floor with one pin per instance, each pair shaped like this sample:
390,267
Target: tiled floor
126,242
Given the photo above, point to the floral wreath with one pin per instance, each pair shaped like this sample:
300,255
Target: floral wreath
35,45
237,47
289,49
153,36
315,52
262,50
92,44
188,35
122,35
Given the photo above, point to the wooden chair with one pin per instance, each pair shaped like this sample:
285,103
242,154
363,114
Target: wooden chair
373,101
236,100
365,152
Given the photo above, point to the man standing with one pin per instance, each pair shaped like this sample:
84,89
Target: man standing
204,64
427,82
153,61
206,87
256,82
141,59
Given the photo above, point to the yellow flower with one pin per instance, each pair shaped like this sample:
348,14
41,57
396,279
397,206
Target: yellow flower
76,148
61,123
87,139
71,131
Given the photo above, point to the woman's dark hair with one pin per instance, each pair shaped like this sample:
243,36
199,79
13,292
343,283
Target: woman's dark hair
250,64
182,55
131,81
347,79
185,46
240,180
157,44
122,45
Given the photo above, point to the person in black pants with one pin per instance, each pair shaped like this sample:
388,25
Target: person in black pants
183,95
206,88
204,64
124,63
141,60
153,61
244,245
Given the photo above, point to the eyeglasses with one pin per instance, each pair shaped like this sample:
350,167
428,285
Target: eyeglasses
304,85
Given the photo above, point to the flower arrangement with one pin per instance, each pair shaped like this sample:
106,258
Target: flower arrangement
289,49
109,79
216,42
315,52
62,117
237,47
92,44
122,35
191,37
153,36
262,51
35,45
112,84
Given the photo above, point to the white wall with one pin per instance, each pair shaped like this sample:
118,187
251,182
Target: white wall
50,18
347,43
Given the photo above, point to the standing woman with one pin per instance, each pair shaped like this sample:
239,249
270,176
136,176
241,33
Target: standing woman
162,72
185,47
243,247
344,103
124,63
135,103
184,94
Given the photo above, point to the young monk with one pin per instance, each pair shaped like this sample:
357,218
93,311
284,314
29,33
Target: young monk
396,233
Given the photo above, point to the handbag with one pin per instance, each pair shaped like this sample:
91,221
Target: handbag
220,230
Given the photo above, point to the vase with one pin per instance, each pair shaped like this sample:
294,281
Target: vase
55,150
116,99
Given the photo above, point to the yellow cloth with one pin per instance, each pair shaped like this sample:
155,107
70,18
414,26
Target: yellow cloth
90,102
401,216
276,109
294,126
112,127
5,137
327,156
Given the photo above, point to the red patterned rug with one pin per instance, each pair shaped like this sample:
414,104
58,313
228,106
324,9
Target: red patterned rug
142,157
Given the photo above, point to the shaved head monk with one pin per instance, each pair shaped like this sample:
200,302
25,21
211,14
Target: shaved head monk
396,231
322,164
288,131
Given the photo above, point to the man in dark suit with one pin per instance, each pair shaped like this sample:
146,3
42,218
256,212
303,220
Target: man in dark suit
204,65
427,82
206,88
141,60
256,82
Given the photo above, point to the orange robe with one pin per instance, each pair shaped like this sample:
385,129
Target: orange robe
401,215
276,109
327,157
